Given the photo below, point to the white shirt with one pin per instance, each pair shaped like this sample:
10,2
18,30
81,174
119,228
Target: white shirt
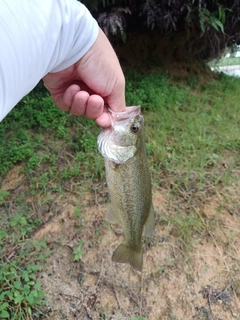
38,37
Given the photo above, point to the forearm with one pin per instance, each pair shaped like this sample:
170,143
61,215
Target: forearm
38,37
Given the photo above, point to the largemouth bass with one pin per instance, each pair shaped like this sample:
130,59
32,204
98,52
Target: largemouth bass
128,178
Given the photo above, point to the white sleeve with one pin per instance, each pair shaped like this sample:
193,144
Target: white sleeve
37,37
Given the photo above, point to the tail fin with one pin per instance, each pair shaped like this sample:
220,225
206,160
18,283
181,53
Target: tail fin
125,254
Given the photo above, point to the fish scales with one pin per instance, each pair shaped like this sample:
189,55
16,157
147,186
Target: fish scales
129,182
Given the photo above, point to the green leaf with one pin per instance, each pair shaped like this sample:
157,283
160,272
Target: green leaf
30,299
19,298
4,314
26,289
37,285
2,297
35,293
4,193
41,294
25,276
220,25
3,234
17,284
7,293
33,268
29,310
202,26
3,306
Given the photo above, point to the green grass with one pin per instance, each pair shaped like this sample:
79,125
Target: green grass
188,128
21,296
192,138
38,131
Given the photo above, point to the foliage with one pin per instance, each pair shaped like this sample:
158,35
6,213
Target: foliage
21,296
3,194
209,26
95,4
208,18
77,252
20,292
26,140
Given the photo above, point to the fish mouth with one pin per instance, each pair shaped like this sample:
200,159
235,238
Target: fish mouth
121,150
130,112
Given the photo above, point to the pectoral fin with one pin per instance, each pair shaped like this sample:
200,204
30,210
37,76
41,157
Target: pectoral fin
112,216
150,223
121,154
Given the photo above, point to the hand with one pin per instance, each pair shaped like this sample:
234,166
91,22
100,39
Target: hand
91,84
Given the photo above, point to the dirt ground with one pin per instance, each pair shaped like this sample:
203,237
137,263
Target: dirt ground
178,282
203,283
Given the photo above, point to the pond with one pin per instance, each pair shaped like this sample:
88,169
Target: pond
233,70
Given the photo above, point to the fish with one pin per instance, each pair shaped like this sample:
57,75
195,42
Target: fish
129,182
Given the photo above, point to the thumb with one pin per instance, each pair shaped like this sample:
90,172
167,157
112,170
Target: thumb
116,100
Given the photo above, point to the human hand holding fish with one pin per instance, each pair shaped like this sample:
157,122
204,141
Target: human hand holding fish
128,178
91,84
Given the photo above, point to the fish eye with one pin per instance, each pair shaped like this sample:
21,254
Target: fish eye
134,127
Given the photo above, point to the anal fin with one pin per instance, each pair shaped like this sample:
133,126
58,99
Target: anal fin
150,223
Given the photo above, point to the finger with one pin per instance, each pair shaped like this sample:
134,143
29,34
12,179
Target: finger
95,106
104,120
101,64
116,100
64,101
79,103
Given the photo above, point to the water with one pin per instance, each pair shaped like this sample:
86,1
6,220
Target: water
235,72
232,70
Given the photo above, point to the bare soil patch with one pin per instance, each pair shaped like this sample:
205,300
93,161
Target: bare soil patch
195,280
202,283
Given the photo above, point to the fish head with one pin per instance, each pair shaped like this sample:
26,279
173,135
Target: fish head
121,140
126,127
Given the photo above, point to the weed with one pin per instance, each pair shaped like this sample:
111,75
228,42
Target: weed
77,212
3,195
78,251
185,227
20,292
21,296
